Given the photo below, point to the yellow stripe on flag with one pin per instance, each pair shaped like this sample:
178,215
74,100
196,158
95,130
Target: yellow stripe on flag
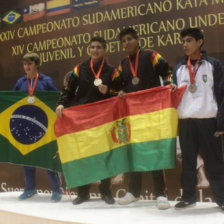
157,125
57,3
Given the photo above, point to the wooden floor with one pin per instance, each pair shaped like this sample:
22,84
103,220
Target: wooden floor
16,218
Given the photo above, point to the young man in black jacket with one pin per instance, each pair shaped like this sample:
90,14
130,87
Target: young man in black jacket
142,69
90,82
200,118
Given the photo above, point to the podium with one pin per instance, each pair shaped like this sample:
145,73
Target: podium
40,210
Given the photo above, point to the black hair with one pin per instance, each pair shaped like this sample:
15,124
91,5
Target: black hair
130,31
100,40
196,33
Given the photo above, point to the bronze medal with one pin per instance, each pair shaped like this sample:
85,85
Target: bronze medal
192,88
135,80
98,82
134,71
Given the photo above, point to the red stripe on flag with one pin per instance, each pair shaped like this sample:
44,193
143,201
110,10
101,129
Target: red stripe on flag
79,118
28,17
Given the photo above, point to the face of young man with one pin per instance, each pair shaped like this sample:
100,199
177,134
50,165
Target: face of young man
30,68
192,47
130,44
97,52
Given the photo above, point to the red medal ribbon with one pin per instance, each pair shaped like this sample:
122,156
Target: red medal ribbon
134,71
99,71
192,74
34,84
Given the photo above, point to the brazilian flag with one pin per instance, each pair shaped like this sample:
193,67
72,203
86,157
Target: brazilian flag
27,129
11,17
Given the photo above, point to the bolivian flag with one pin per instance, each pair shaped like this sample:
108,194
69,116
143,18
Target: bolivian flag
27,129
103,139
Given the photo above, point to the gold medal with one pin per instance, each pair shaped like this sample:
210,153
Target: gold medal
97,82
30,99
192,88
135,80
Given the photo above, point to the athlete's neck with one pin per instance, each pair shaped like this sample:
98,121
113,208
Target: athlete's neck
134,52
32,75
97,61
195,56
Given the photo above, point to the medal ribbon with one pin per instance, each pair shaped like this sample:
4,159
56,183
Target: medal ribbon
99,71
134,71
34,84
192,74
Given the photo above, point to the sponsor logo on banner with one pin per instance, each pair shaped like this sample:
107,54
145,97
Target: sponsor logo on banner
33,11
11,17
57,7
80,4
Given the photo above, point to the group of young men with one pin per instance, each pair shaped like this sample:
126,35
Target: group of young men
201,111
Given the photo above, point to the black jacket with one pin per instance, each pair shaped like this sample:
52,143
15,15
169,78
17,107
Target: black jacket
81,88
151,66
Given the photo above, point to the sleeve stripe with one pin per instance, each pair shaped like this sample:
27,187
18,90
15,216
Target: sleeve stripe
115,74
120,68
156,57
76,71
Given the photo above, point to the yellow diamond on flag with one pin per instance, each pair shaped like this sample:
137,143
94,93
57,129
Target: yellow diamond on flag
11,17
28,126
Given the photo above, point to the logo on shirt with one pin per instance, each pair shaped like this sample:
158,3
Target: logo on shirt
204,78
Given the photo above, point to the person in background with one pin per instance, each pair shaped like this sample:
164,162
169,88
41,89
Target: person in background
90,82
33,80
142,69
201,118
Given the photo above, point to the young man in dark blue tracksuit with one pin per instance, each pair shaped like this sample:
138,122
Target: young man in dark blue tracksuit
37,81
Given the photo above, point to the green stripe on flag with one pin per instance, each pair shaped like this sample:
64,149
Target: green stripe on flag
146,156
45,158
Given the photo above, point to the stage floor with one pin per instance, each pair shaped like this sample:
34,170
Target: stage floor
96,211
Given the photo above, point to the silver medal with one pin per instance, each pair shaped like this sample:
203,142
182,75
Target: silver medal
97,82
135,80
30,99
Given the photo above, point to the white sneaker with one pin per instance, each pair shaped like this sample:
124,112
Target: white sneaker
162,203
127,199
